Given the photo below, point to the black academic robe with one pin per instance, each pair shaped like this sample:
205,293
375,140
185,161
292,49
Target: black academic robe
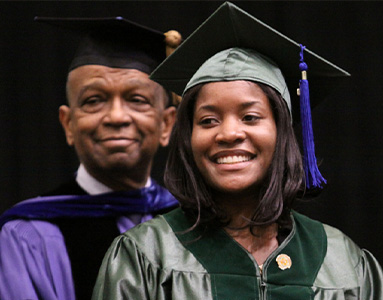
86,239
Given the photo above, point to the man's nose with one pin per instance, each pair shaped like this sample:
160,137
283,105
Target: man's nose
118,113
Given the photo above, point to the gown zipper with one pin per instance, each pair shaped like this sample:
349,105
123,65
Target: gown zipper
262,287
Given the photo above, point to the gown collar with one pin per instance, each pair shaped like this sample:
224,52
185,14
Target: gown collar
91,185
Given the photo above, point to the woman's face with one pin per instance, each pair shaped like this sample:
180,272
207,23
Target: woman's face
234,136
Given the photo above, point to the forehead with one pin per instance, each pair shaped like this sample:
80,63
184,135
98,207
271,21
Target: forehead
237,92
110,80
93,73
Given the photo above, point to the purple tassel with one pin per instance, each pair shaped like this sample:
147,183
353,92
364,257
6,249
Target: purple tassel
314,179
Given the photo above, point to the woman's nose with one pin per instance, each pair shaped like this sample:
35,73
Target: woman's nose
230,131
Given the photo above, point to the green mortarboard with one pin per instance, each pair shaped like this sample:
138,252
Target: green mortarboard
231,45
113,42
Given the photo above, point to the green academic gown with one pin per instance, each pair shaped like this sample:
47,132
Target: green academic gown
156,261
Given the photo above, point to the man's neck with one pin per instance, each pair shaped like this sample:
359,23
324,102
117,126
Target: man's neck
93,186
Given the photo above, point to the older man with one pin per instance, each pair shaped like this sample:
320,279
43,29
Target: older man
51,247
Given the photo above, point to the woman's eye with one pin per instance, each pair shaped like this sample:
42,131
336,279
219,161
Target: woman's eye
250,118
208,121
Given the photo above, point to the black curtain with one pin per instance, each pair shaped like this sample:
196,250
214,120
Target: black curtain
348,125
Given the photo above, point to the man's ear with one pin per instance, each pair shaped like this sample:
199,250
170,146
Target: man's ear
168,120
66,123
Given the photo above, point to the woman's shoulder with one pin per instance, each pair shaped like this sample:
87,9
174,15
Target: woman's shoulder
156,228
342,245
343,264
343,255
336,240
157,241
339,245
159,227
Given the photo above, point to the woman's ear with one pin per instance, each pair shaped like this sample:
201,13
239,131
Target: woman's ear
169,117
66,122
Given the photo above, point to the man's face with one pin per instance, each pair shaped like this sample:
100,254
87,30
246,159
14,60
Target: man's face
116,120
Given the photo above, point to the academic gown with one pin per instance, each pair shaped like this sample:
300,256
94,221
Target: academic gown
47,259
156,261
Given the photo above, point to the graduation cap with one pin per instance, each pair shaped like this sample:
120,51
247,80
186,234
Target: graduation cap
116,42
233,45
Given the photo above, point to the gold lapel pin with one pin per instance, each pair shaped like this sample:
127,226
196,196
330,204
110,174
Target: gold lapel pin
284,261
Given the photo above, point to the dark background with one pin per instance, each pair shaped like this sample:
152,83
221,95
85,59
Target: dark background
348,125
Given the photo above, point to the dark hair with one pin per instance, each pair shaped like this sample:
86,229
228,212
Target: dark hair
284,180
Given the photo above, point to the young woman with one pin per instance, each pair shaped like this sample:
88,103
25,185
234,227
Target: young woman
235,167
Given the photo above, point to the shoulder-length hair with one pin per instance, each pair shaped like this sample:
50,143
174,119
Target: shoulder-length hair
285,177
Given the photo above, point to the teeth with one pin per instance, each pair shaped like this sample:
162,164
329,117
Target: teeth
232,159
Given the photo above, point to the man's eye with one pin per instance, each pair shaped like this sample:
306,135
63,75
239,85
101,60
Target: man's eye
92,104
91,101
139,103
139,100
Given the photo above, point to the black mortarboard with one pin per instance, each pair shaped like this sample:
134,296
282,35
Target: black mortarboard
113,42
228,27
233,45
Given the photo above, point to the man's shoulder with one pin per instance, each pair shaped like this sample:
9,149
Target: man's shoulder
30,230
69,187
38,208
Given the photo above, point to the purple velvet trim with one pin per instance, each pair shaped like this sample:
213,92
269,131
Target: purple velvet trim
146,200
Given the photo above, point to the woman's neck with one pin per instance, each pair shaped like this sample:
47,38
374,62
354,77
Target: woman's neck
260,242
237,206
